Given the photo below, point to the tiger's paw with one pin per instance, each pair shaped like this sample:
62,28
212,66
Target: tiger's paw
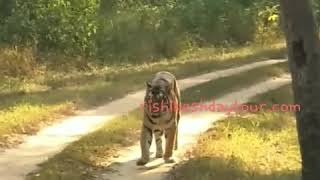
142,162
169,160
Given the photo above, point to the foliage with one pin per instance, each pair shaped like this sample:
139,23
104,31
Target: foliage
64,25
217,21
267,21
134,30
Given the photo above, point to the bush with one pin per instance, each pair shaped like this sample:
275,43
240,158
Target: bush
218,21
267,18
16,62
134,31
62,25
140,34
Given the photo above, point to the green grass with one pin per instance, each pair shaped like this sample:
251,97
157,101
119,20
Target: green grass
94,150
27,104
261,146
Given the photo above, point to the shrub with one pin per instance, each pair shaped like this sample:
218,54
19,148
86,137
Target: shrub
17,62
135,31
62,25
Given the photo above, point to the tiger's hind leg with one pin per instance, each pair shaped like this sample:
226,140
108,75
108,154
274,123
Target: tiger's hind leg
176,140
170,135
145,143
158,137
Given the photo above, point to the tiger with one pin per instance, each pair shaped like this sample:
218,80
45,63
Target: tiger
163,90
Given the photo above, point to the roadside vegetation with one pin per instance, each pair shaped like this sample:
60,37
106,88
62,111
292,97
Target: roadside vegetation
60,57
92,153
132,31
29,104
259,146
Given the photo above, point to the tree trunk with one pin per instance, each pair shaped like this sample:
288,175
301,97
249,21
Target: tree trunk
304,61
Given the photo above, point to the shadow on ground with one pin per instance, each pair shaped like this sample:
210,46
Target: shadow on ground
209,168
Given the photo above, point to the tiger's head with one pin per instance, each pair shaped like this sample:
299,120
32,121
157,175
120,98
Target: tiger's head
157,97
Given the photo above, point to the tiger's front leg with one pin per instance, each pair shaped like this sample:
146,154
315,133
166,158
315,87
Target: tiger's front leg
158,137
145,143
170,135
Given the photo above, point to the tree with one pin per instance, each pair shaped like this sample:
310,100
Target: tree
304,60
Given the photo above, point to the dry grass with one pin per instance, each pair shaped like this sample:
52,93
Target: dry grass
260,146
16,62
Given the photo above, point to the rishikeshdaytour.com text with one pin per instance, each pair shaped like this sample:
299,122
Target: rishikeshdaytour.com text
213,106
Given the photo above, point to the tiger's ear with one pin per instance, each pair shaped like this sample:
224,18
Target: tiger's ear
148,83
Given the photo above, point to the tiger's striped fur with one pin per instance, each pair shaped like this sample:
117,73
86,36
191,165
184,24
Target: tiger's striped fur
162,89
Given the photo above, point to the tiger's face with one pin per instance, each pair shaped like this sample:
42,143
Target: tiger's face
157,99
